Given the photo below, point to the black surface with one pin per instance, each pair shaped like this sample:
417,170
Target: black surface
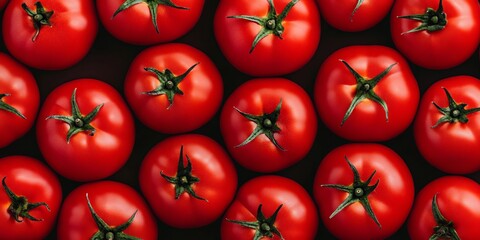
109,60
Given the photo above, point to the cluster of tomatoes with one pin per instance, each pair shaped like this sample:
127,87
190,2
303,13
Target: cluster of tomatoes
239,119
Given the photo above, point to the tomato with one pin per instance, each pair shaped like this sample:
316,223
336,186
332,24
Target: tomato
425,31
354,15
104,208
147,22
365,188
85,130
61,37
366,93
19,100
3,3
268,124
447,126
173,88
30,198
262,37
270,206
446,208
189,180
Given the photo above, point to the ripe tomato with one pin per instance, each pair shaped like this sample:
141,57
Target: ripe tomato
447,126
427,38
268,124
358,187
354,15
366,93
49,34
85,130
189,180
149,22
19,100
104,208
267,43
270,206
3,3
173,88
446,208
30,198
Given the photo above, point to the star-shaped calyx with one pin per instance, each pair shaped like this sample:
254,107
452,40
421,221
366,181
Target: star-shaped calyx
365,89
5,106
454,112
431,21
168,83
78,122
106,232
40,17
444,228
184,179
19,207
266,124
152,6
264,227
271,24
358,191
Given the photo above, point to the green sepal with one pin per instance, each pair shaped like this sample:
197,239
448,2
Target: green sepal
454,112
152,7
359,3
266,124
357,192
40,17
431,20
365,89
168,83
19,207
5,106
264,227
77,122
271,24
184,179
444,228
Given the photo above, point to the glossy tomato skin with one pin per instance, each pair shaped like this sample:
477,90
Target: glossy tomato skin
272,56
431,49
202,88
451,147
297,219
86,157
114,202
335,88
65,43
297,122
28,177
391,201
134,25
370,13
458,199
17,81
210,164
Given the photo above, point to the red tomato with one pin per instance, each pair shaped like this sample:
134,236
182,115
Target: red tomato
366,93
268,124
27,181
173,88
135,23
448,136
271,206
115,203
85,130
19,99
189,180
260,49
354,15
3,3
367,180
446,207
448,37
66,31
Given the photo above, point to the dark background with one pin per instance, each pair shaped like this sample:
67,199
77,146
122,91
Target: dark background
109,60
